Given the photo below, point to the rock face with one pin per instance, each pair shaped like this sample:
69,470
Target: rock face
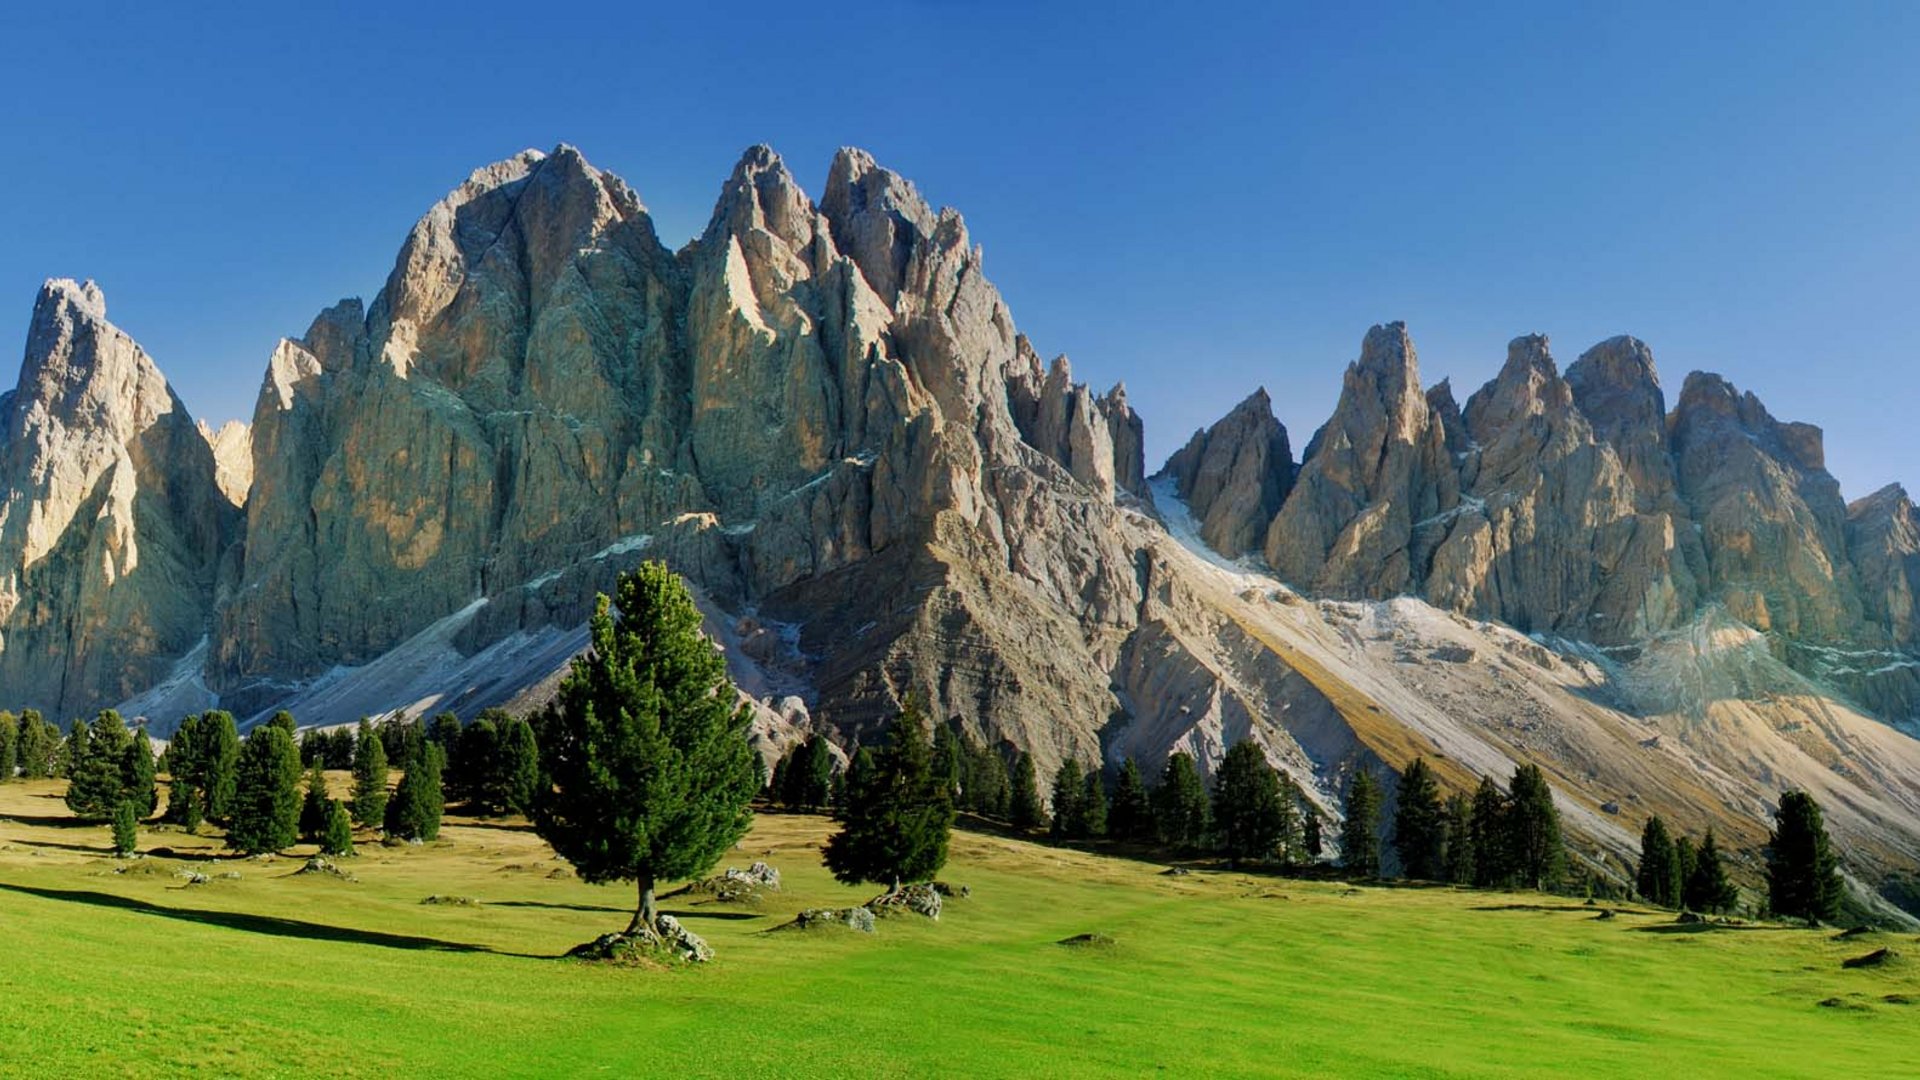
1549,537
112,527
1770,515
232,447
1378,468
1577,506
1235,475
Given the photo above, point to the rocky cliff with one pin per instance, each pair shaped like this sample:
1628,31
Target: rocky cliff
111,528
822,413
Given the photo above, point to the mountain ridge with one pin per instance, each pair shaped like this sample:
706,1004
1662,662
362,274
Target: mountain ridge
823,415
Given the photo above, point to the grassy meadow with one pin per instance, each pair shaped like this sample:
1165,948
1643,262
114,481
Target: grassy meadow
121,968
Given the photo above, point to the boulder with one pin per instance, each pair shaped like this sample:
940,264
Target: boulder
852,918
919,899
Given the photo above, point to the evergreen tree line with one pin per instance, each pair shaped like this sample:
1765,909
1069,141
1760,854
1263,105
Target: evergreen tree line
1675,873
30,747
1492,839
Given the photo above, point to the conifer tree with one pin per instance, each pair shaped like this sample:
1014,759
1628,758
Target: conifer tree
646,747
39,746
1069,802
1360,833
1292,843
1312,844
317,807
1180,803
337,840
98,762
9,745
266,793
1461,856
285,722
1685,858
948,764
1247,815
369,777
1803,874
418,801
984,780
1658,879
473,760
808,780
777,781
518,765
1419,825
1093,806
126,835
1024,811
218,753
136,776
1533,836
1492,855
1708,889
443,731
1130,814
185,804
899,813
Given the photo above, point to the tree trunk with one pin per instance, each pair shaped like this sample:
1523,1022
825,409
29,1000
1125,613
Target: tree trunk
647,915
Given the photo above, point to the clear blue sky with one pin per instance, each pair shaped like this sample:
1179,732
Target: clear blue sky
1194,199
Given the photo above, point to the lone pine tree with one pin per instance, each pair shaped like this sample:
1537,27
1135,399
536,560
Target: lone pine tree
899,814
337,840
1803,873
1659,879
1708,888
126,835
645,746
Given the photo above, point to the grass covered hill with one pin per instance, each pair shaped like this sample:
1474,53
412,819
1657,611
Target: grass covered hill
128,968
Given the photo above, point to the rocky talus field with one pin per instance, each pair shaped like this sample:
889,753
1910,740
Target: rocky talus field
823,415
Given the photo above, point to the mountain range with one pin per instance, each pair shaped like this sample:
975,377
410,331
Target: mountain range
822,414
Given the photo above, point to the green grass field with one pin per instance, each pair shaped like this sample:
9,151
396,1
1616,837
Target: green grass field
111,973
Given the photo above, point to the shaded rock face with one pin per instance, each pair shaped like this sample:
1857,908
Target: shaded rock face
1770,516
112,527
1883,537
1235,475
1379,467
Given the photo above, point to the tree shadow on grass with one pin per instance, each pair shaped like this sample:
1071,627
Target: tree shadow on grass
558,907
694,913
102,850
1590,909
1702,928
54,821
260,924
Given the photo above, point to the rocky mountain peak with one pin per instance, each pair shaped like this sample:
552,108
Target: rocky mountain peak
1377,467
1528,384
1235,475
877,216
110,522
